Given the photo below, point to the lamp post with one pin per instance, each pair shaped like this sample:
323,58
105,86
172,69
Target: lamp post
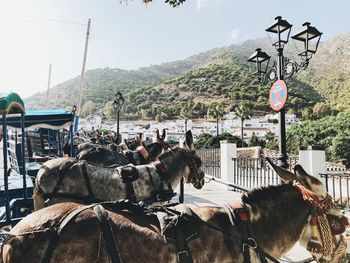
283,68
117,105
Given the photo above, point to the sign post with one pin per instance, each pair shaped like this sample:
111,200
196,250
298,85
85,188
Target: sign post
278,95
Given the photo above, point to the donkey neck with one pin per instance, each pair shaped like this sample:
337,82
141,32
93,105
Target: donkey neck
174,162
278,216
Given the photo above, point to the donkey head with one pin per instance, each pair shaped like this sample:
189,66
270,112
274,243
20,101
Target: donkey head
195,174
157,137
322,202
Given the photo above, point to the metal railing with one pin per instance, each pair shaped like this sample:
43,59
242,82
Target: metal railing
253,172
210,161
338,186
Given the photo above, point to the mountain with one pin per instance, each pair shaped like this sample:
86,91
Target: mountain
221,75
329,72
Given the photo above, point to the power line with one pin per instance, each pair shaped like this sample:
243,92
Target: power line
43,18
96,49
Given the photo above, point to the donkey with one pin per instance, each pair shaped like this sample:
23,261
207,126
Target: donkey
107,156
67,179
265,225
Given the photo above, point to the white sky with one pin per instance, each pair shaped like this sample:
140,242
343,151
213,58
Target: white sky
130,36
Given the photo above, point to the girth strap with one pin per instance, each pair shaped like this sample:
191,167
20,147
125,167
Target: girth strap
239,218
57,231
183,254
90,198
107,231
87,180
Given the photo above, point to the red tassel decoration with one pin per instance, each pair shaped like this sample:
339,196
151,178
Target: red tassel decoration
314,245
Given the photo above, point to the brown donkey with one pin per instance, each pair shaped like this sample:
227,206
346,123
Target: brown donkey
270,221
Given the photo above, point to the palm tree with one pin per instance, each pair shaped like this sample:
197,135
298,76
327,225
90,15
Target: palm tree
186,113
269,136
216,110
244,113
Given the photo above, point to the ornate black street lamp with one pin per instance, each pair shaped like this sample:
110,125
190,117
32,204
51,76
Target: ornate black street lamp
283,68
117,105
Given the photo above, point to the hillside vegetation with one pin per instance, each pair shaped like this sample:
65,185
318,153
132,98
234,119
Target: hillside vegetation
219,75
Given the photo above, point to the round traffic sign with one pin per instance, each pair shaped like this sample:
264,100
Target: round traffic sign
278,95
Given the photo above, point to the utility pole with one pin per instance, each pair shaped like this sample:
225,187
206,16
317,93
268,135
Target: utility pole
48,85
83,68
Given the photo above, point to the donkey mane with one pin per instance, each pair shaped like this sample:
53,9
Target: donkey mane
264,193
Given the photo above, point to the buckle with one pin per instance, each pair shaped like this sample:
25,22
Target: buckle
182,256
249,243
158,198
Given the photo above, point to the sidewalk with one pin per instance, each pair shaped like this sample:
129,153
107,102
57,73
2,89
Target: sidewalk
214,193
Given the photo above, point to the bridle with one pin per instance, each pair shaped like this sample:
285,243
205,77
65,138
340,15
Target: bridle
321,241
189,155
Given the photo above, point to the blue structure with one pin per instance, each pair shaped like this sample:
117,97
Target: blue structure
13,114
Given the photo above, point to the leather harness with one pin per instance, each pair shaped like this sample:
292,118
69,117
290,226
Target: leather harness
90,198
239,218
105,225
127,177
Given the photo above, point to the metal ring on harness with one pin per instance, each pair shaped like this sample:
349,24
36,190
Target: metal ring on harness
254,245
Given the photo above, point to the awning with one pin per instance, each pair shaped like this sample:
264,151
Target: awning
11,103
50,119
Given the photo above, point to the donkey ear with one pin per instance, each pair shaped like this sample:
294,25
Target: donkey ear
155,135
302,176
187,141
163,134
285,175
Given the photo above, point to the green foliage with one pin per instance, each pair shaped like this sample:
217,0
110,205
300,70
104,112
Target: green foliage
202,140
332,133
216,110
186,88
269,136
272,145
173,3
206,140
255,141
88,108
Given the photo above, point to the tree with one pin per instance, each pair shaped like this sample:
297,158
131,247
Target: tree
243,113
341,147
255,141
108,110
88,108
216,111
321,110
186,112
202,139
159,117
173,3
269,136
